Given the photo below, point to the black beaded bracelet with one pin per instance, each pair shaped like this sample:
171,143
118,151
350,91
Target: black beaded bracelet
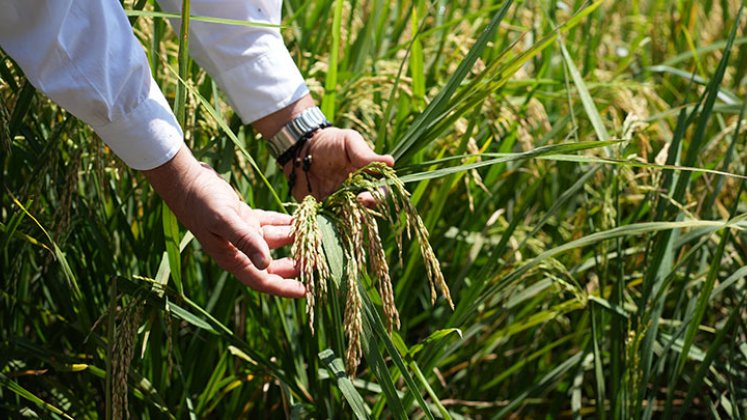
293,151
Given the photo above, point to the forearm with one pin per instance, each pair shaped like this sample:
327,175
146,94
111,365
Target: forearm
250,64
84,56
271,124
174,179
237,237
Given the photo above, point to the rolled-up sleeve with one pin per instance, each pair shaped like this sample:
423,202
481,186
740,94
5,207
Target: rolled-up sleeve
84,56
251,64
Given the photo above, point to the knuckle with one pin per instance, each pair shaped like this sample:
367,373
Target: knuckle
245,242
233,262
218,220
260,284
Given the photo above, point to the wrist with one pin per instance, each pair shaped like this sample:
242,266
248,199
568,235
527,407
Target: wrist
174,178
286,145
303,151
270,125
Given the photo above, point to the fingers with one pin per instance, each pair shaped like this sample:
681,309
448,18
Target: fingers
247,238
276,285
275,227
276,280
360,154
272,218
273,283
367,199
259,271
277,236
284,267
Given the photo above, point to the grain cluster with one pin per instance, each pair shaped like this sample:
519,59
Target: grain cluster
357,230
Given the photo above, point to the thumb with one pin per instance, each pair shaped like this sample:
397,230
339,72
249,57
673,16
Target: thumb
247,239
360,153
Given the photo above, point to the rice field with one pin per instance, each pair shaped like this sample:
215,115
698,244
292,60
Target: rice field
579,169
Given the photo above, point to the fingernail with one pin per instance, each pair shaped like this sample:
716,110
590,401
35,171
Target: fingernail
259,260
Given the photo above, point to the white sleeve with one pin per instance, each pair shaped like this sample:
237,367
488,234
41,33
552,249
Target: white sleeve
250,64
84,56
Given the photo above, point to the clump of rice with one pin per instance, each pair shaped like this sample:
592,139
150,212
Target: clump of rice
358,231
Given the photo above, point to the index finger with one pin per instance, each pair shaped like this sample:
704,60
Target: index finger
266,282
231,259
272,218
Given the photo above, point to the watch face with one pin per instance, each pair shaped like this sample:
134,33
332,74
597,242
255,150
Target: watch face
299,127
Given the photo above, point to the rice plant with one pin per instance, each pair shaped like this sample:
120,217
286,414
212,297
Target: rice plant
571,170
358,233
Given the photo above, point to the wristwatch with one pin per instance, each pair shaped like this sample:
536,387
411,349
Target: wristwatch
293,135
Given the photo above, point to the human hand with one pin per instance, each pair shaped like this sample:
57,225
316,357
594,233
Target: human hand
335,153
237,237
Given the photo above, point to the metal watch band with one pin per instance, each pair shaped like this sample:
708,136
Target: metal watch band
309,120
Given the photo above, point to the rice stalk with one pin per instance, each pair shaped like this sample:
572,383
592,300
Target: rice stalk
380,273
351,216
358,232
5,140
406,219
350,219
353,316
307,251
123,348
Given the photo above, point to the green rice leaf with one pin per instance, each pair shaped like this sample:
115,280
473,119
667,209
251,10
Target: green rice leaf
369,312
501,158
336,369
375,358
332,249
440,102
583,92
28,395
231,135
185,315
207,19
171,234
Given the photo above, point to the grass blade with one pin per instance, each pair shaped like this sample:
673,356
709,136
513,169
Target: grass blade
440,102
714,351
330,82
336,369
376,362
379,330
207,19
583,93
215,114
417,70
23,392
501,158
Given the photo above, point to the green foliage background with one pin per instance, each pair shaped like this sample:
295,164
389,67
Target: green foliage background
581,174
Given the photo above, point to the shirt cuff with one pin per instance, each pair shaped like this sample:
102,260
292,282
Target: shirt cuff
264,85
148,136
